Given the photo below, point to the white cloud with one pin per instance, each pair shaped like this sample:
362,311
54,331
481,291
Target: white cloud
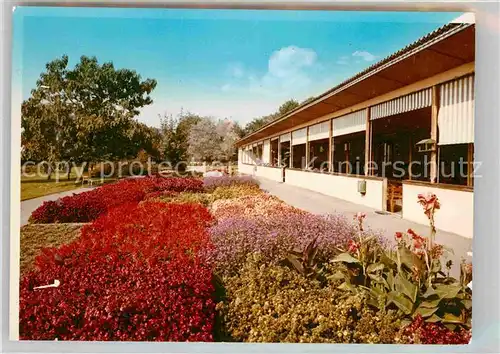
366,56
356,57
290,72
343,60
236,70
290,61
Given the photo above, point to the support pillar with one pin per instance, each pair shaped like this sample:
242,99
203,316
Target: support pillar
410,157
279,153
307,149
368,143
434,133
330,146
470,165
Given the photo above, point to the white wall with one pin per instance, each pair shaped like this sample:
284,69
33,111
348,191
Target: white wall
272,173
341,187
246,169
455,215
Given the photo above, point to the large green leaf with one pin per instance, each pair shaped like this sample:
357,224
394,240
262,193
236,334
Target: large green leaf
390,280
338,275
431,302
345,257
402,302
406,287
372,301
429,292
448,291
452,327
376,291
388,261
375,267
347,287
296,264
433,319
424,311
450,318
467,303
378,279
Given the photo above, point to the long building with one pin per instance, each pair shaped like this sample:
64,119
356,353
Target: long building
403,126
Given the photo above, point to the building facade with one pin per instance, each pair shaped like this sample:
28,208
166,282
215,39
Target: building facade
401,127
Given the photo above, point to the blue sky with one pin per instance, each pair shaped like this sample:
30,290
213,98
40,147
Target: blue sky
236,64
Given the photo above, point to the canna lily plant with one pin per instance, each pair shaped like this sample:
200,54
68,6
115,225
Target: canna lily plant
408,277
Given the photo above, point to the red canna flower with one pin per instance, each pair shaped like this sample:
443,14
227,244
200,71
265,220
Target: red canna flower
352,246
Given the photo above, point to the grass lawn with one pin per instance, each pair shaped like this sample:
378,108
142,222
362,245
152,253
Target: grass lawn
33,187
34,237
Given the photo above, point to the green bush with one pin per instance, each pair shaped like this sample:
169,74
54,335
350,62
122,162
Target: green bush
273,303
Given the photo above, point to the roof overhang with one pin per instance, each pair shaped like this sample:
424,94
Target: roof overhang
449,47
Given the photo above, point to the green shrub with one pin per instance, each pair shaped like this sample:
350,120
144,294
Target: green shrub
272,303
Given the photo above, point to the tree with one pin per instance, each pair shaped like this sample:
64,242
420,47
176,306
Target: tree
47,122
83,114
286,107
175,132
107,101
211,140
258,123
308,100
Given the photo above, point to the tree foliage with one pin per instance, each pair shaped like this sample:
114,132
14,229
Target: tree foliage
259,122
85,113
213,140
175,134
285,108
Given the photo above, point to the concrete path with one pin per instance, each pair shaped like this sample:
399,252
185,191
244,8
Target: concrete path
318,203
28,206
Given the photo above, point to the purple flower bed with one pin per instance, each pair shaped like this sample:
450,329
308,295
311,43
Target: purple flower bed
273,236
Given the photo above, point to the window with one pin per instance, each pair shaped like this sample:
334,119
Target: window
456,164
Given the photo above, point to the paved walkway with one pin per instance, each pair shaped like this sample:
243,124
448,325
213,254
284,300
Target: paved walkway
318,203
28,206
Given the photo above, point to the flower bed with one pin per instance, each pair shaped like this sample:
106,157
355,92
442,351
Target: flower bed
271,303
35,237
287,279
253,206
144,270
87,206
273,235
210,183
134,274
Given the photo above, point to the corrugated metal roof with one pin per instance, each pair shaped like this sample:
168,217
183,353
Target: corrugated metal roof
438,34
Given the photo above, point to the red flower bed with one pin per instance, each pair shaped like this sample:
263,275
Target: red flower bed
87,206
134,274
435,333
